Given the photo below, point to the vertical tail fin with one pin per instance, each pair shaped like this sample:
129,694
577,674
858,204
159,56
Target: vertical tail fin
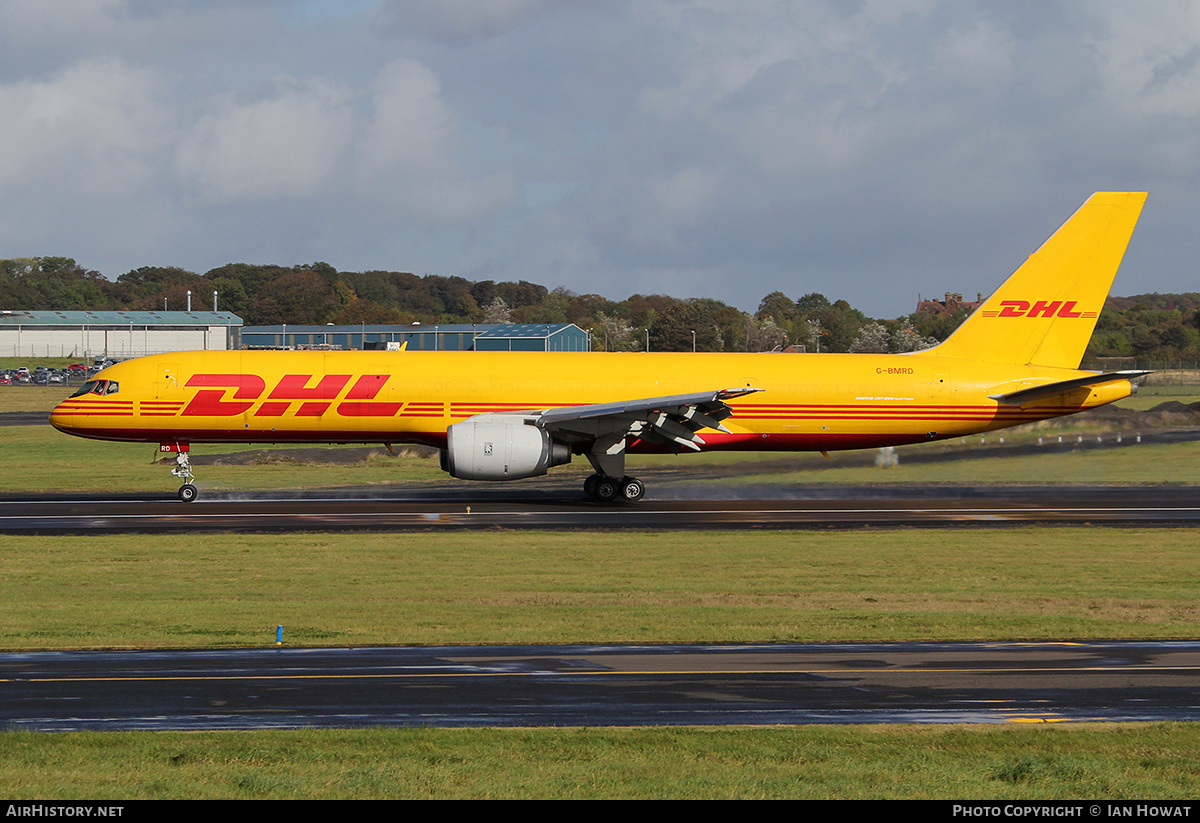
1045,313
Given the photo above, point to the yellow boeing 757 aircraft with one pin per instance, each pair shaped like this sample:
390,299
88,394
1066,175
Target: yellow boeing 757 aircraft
509,415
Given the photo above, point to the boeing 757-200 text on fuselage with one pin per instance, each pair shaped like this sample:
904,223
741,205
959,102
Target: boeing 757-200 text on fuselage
509,415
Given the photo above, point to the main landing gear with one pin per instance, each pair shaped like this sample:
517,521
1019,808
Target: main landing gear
610,483
607,489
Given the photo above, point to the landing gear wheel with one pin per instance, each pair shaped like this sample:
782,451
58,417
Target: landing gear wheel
589,485
632,489
606,489
183,470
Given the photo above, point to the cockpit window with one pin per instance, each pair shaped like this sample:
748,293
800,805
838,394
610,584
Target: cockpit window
101,387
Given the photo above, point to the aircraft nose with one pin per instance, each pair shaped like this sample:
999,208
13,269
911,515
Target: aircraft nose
57,418
66,416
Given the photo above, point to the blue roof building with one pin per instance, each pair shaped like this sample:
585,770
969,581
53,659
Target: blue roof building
421,337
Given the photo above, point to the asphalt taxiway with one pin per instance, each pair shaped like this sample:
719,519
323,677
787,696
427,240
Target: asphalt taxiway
601,685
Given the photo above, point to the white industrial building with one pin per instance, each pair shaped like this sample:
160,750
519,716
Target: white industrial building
115,334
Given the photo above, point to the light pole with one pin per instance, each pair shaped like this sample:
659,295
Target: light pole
693,341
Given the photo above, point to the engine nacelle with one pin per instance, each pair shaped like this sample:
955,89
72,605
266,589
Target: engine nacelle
500,447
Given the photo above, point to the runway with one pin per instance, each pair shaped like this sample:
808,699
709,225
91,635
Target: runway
668,507
601,685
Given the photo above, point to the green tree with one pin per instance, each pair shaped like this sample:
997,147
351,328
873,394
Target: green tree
673,329
811,301
839,323
302,298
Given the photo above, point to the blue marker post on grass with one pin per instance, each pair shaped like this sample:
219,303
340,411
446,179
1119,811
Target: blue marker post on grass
279,635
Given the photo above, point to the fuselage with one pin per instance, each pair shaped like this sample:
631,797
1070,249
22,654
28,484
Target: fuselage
807,402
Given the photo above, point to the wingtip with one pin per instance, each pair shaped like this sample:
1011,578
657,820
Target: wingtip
725,394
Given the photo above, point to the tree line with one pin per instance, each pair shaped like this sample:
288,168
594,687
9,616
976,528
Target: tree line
1158,327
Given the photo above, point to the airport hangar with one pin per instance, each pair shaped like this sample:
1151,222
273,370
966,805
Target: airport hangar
121,335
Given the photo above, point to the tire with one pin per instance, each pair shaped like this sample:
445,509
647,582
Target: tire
632,490
607,490
589,485
188,493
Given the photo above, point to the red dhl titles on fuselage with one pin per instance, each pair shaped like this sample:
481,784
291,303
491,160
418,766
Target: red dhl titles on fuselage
316,399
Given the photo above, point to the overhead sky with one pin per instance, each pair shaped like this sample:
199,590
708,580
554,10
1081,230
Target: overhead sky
871,150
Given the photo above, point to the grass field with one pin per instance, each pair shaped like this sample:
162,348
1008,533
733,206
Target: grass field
32,398
37,458
533,587
1148,397
1113,762
1132,463
32,363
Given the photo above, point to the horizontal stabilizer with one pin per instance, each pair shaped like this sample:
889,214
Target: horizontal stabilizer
1023,396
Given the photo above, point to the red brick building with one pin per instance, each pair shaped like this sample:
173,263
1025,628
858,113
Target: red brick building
950,305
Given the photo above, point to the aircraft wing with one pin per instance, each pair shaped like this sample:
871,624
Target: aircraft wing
672,420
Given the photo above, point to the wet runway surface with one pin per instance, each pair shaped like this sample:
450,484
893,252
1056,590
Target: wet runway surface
668,506
601,686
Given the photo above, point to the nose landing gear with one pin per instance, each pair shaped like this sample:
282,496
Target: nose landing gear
183,470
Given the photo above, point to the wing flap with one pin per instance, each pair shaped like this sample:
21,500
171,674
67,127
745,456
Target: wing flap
672,419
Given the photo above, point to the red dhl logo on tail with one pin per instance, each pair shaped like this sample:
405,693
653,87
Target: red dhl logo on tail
314,400
1041,308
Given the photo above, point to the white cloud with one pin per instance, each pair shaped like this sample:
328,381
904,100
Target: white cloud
48,23
686,191
406,155
1149,58
457,19
980,56
93,130
287,145
795,89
